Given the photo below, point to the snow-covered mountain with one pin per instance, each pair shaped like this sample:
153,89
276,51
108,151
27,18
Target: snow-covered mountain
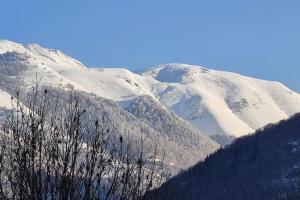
184,145
182,148
218,103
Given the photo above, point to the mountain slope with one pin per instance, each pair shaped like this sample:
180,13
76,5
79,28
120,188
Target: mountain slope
178,154
261,166
121,122
214,101
5,103
5,99
210,100
151,112
18,70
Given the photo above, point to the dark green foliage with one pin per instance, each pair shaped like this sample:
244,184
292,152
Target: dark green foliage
260,166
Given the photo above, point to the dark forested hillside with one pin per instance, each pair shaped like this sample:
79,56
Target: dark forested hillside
260,166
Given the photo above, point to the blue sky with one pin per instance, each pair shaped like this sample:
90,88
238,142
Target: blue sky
259,38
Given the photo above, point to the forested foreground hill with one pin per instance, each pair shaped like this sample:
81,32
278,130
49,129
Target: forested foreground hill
261,166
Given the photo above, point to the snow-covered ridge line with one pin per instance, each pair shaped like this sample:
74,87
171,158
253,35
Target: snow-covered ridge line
39,53
216,102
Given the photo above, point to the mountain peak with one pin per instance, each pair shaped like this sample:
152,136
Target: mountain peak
6,45
174,72
211,100
179,65
40,54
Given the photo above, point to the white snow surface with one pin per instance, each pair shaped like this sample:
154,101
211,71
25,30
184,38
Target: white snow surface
5,100
215,102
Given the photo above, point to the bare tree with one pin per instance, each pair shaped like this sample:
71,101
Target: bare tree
53,147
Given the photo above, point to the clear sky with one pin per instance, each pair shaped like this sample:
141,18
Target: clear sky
260,38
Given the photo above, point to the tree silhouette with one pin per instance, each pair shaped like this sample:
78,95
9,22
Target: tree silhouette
53,147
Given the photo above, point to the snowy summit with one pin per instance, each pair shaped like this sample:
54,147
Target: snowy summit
219,104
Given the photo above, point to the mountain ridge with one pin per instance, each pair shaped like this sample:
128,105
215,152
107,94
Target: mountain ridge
210,100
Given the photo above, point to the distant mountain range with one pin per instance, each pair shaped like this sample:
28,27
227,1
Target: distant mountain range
188,106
